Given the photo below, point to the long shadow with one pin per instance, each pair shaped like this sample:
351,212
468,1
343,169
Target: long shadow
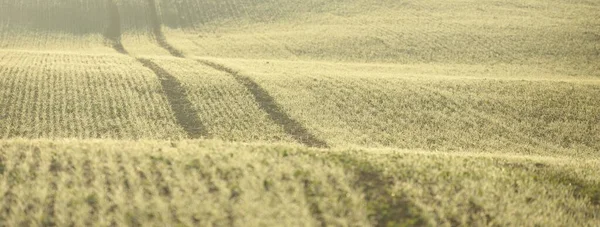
186,115
268,104
155,24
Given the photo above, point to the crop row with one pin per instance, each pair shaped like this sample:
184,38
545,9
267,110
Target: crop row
225,106
57,96
375,106
86,96
193,183
559,38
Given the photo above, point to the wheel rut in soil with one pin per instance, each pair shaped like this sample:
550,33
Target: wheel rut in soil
186,115
159,36
267,103
183,109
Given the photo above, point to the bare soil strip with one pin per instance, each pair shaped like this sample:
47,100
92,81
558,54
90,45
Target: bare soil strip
268,104
157,31
184,111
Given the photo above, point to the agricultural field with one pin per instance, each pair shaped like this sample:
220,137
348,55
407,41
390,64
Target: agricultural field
299,113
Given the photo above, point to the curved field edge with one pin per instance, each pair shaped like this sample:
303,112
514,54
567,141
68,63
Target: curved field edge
103,182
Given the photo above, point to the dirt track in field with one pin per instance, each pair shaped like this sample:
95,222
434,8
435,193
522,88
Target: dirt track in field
186,115
268,104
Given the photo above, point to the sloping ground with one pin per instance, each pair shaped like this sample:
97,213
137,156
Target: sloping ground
60,95
386,105
213,183
463,76
561,36
224,105
54,95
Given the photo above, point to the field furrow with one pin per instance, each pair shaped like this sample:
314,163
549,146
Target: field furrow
187,116
526,109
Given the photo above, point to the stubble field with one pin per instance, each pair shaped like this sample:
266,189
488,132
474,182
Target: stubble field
299,113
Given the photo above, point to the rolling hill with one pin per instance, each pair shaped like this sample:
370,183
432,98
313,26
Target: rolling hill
299,113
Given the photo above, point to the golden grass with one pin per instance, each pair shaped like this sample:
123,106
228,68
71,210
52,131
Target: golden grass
104,182
558,37
372,105
225,106
380,105
54,95
426,113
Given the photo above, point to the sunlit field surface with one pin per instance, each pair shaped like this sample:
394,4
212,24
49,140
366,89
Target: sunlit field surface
299,113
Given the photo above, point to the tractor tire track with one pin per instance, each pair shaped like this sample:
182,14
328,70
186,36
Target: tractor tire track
156,27
182,107
186,115
267,103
